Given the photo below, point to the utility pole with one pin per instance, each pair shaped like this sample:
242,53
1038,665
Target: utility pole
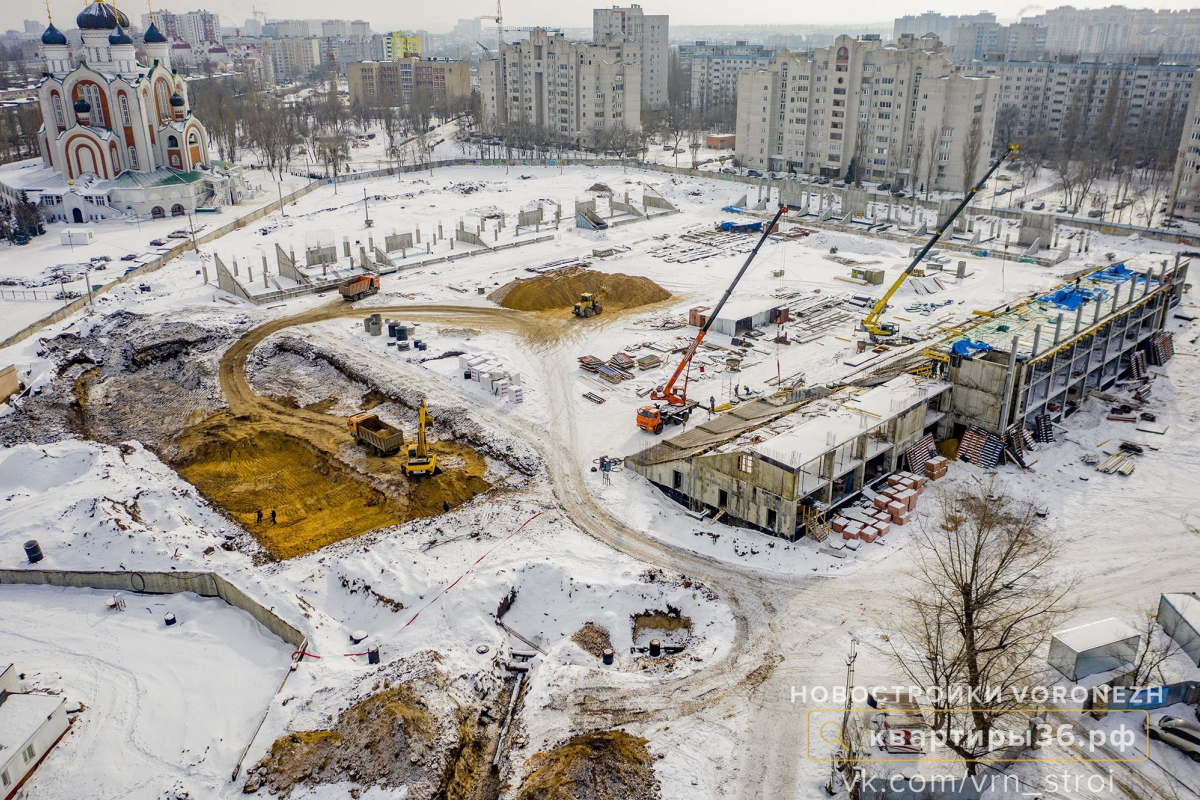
849,748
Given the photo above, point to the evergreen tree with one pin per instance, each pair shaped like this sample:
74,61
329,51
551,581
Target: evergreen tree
28,217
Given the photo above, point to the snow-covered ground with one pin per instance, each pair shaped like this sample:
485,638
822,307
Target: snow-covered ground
766,614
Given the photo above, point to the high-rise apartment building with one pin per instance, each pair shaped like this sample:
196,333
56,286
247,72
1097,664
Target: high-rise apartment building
360,27
1039,96
373,81
332,28
712,70
940,25
193,27
646,35
900,112
576,92
1116,31
400,44
287,29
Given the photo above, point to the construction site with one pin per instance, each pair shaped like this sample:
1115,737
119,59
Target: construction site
555,504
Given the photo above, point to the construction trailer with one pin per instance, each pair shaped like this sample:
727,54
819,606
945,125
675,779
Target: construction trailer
1093,648
30,726
1042,356
766,464
740,316
1179,616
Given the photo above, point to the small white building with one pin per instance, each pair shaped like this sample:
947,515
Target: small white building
1093,648
30,726
1179,615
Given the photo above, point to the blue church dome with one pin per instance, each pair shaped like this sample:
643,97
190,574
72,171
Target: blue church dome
119,36
101,16
154,35
53,36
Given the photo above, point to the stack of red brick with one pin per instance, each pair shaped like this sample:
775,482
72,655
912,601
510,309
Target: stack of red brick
935,468
899,499
866,527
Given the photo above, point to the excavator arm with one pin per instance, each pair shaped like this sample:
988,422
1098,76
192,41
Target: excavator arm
872,323
667,392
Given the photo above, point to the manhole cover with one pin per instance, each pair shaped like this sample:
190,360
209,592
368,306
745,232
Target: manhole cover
481,649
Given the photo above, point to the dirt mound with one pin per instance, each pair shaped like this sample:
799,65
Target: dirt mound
562,289
593,639
386,739
246,469
605,765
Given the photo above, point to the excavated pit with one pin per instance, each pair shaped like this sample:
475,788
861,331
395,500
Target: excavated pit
562,290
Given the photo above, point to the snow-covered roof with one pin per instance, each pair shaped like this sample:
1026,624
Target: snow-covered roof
20,717
845,416
745,307
1187,606
1096,635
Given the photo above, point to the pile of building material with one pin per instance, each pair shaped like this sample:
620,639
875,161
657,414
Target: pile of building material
935,468
606,370
891,507
562,263
977,446
649,362
490,374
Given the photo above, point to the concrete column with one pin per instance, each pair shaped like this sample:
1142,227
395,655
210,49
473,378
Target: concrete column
346,246
1058,328
1132,292
265,286
204,270
439,233
418,232
1078,318
235,268
1096,317
1002,422
250,273
1037,338
264,260
1116,297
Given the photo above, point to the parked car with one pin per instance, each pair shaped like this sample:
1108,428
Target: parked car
129,257
823,181
1040,205
1120,204
753,173
728,171
1004,190
1181,733
1171,224
884,187
157,243
839,184
668,148
179,234
104,259
1096,213
131,269
1061,210
898,193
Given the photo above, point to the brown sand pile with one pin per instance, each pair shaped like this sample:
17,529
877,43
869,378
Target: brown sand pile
562,289
669,620
605,765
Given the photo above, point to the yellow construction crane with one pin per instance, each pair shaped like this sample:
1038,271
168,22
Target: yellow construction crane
873,323
420,460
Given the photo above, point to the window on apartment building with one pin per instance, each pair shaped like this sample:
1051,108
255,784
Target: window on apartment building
27,754
746,463
4,779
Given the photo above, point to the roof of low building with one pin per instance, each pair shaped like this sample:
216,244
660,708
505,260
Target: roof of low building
1094,635
21,715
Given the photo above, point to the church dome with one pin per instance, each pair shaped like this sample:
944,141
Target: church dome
53,36
176,100
101,16
82,106
153,35
119,36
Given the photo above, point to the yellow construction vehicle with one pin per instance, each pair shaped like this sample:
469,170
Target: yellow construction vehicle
873,323
588,305
420,460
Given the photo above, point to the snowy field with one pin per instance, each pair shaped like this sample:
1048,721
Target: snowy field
163,707
765,615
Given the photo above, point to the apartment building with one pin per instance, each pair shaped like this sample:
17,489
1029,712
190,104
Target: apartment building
1108,33
712,70
194,27
1021,40
1037,96
360,27
293,58
1184,196
287,29
399,44
940,25
901,110
332,28
371,81
646,37
576,91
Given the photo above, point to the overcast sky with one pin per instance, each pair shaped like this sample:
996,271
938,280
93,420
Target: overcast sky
388,14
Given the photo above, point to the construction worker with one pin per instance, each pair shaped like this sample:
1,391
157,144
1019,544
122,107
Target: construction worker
736,387
272,516
712,405
259,520
445,505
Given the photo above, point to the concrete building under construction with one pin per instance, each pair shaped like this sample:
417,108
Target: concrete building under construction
772,463
1041,358
783,463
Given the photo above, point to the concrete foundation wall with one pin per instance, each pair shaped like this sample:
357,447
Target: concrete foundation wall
205,584
978,387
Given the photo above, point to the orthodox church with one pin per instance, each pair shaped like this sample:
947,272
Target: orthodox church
118,136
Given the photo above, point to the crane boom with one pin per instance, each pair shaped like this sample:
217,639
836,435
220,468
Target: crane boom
871,323
668,391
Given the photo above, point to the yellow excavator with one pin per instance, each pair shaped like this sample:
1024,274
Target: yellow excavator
420,460
873,323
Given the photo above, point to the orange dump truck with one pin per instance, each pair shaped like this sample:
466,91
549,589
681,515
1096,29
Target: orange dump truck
369,429
359,287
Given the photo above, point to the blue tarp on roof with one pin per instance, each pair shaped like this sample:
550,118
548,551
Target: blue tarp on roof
969,349
733,209
1072,297
1117,273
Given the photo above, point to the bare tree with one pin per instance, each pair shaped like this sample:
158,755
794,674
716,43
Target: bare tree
917,156
972,151
989,588
334,149
695,138
930,159
1155,648
675,127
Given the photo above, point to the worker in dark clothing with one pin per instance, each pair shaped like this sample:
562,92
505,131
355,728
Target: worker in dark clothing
272,516
445,505
747,388
736,387
259,520
712,405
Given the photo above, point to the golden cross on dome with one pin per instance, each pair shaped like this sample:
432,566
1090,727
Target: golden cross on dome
48,16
